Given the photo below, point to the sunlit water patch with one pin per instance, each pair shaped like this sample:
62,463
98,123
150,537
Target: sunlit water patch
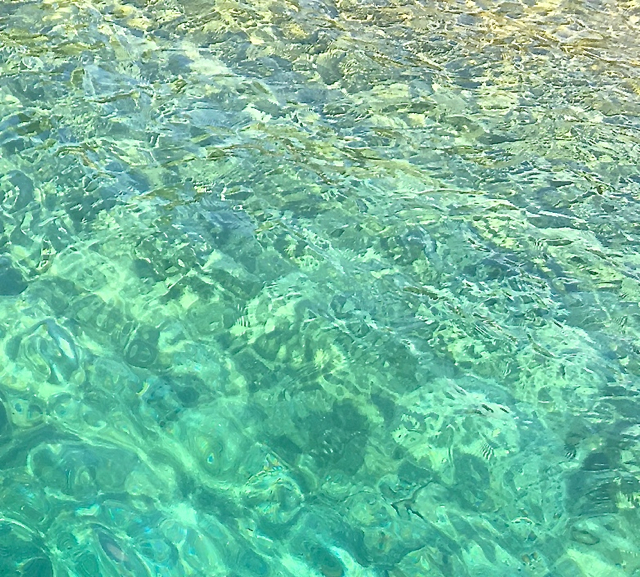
319,289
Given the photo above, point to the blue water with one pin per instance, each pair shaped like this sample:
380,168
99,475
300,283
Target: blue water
317,289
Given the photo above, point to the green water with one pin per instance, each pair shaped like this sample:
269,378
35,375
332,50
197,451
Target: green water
319,289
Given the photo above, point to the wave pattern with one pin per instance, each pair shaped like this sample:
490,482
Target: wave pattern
325,289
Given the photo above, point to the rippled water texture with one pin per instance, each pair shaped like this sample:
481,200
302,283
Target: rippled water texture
315,289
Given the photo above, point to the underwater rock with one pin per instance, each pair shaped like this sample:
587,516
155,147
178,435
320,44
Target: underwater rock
145,270
275,497
596,461
48,350
105,322
199,552
83,208
325,561
285,447
58,234
399,489
472,480
87,565
120,555
12,283
214,503
17,450
338,438
248,563
60,351
82,470
583,536
318,528
592,493
142,349
593,489
162,400
387,535
38,567
17,191
56,292
162,553
215,441
385,405
189,393
5,423
21,552
116,379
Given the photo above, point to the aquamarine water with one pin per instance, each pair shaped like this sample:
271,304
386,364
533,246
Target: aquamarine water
319,288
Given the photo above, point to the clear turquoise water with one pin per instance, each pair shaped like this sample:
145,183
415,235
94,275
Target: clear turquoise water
319,288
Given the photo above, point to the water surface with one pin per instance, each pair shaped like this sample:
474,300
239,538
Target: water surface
319,288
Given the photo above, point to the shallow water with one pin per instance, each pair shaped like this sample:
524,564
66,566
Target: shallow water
319,288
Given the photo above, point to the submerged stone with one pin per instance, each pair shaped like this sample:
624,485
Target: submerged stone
328,564
5,425
38,567
12,283
22,191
